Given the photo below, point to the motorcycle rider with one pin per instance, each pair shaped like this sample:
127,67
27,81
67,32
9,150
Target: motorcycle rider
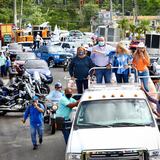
56,94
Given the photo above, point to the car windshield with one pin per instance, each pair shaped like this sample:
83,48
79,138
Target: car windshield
24,57
54,49
114,113
15,47
37,64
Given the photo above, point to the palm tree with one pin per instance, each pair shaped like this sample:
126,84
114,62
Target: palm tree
158,29
123,25
139,31
144,25
132,29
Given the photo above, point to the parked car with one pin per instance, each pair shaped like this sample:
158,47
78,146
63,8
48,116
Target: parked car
14,47
41,66
53,55
156,66
21,57
153,64
27,46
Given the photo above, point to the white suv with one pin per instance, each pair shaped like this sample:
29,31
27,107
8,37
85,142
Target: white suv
114,123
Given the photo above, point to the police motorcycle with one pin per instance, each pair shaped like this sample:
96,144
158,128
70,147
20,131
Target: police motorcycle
15,97
51,104
40,86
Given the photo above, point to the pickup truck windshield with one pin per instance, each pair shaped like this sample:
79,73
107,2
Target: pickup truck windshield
114,113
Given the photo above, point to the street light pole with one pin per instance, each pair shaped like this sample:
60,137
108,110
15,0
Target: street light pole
15,13
123,8
111,10
20,23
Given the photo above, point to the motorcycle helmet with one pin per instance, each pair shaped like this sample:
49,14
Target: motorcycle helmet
58,85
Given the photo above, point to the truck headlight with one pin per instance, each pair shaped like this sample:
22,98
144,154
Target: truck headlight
56,56
73,156
154,155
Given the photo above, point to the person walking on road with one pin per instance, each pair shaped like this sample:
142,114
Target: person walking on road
122,60
100,57
35,111
79,69
141,61
38,40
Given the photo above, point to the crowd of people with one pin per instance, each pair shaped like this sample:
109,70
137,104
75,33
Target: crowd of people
108,61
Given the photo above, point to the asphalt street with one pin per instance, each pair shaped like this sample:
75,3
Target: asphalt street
15,142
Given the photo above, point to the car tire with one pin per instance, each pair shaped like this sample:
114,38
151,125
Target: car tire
46,87
51,62
44,90
2,113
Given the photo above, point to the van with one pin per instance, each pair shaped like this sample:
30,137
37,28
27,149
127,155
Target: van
114,123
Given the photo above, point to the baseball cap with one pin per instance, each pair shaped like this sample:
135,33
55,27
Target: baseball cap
141,45
34,98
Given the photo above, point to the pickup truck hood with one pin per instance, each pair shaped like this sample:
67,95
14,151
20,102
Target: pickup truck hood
114,138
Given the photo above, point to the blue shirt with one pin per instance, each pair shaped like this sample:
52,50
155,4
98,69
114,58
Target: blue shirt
63,110
79,67
55,95
36,117
120,61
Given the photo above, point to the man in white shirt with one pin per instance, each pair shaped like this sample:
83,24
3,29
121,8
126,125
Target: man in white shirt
100,57
38,39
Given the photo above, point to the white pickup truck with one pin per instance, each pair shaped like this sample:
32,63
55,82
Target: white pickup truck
114,123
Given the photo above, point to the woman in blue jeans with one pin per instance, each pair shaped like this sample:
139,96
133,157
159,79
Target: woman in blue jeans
79,69
141,61
121,60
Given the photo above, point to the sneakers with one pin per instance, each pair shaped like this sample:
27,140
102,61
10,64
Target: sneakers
40,140
35,147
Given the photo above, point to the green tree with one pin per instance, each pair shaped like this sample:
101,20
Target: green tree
145,26
158,29
124,26
88,11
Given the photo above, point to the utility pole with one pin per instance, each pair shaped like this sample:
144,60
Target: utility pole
111,12
123,8
15,13
20,22
134,12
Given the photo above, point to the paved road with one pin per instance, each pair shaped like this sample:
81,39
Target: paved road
15,143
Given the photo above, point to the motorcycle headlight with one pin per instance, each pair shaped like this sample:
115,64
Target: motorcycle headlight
154,155
73,156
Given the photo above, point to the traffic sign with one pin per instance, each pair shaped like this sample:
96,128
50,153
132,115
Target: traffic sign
7,38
